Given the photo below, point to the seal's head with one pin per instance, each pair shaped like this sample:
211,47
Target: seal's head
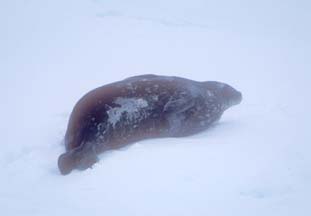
226,94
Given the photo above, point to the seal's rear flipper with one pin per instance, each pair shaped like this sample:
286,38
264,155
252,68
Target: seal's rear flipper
86,159
78,158
66,163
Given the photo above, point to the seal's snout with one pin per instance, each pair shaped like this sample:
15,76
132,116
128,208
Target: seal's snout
238,98
231,95
65,163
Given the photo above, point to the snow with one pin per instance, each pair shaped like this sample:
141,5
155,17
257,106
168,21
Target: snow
129,106
255,161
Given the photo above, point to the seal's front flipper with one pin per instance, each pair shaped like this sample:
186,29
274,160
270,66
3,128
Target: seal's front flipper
175,111
178,105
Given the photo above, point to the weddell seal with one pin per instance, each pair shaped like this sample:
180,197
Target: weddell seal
141,107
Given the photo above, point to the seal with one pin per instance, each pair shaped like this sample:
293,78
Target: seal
137,108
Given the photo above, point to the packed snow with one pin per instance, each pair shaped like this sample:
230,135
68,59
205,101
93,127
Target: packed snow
254,161
129,106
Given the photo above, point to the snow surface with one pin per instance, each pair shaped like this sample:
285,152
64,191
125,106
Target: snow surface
255,161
